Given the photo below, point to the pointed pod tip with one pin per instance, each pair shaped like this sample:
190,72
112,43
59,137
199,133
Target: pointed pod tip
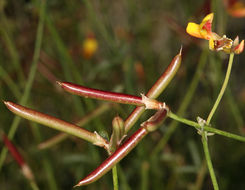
77,185
59,83
180,52
6,102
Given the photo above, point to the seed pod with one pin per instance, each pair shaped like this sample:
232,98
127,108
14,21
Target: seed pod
117,133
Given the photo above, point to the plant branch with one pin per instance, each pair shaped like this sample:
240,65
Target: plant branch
206,127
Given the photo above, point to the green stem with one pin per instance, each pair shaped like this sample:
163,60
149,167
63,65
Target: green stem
10,83
10,45
34,185
115,178
209,162
221,93
206,127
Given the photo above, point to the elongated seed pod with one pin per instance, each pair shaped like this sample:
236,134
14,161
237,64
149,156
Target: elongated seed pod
100,94
156,89
148,126
56,123
118,155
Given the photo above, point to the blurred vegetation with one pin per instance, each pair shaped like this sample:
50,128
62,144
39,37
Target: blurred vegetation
136,41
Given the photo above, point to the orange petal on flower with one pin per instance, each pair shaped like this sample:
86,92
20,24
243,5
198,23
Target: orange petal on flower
239,48
194,30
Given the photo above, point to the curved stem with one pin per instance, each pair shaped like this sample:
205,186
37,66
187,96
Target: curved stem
221,93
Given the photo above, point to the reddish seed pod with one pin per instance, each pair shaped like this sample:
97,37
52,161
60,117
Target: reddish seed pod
148,126
156,89
100,94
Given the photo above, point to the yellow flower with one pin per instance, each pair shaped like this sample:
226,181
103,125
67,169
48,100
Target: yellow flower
90,46
202,30
216,42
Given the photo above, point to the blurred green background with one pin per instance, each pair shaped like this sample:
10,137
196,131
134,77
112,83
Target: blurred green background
136,42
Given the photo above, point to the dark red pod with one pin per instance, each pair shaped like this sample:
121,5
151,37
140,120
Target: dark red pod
150,125
117,156
101,95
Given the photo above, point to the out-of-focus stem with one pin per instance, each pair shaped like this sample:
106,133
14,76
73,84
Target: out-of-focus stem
31,76
57,124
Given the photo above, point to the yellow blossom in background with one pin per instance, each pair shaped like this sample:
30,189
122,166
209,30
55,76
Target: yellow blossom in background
235,8
216,42
90,46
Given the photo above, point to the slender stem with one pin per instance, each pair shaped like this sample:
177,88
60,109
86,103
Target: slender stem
209,162
9,41
10,83
34,185
221,93
206,127
115,178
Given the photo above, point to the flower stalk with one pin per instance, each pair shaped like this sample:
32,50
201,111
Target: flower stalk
222,91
